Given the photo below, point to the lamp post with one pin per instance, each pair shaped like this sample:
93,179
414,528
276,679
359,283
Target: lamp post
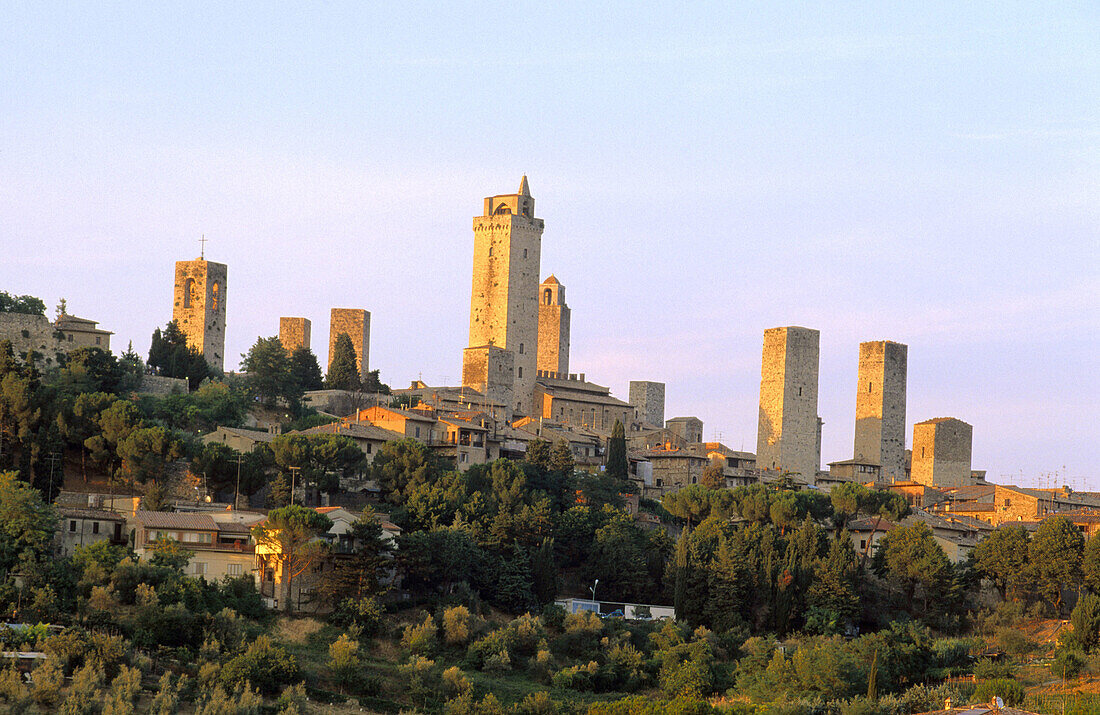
293,475
593,589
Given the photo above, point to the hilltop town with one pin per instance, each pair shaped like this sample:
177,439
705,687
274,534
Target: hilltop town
182,538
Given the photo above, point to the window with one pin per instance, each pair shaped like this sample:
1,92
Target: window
862,544
525,253
370,447
214,297
519,372
70,337
800,392
521,348
463,458
546,296
870,386
490,250
417,430
72,525
97,340
198,568
233,570
95,527
188,288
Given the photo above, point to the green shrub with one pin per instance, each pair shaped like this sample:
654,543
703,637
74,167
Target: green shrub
1010,691
366,612
457,625
267,666
1067,663
986,669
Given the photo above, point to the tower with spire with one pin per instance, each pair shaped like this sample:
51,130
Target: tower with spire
198,306
504,309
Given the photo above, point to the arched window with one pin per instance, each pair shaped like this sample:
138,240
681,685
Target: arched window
546,296
188,286
502,209
214,290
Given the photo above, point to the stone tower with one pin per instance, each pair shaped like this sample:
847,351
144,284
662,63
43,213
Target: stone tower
789,433
356,323
198,307
294,333
553,347
504,311
648,399
880,407
941,452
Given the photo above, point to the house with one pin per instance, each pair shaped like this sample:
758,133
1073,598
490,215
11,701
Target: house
242,440
368,437
219,548
571,400
82,333
84,527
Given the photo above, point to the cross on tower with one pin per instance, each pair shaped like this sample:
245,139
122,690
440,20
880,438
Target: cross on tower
202,247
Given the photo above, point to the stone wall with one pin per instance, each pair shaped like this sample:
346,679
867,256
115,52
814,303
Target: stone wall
356,323
294,333
35,333
941,452
648,399
880,407
158,385
490,370
789,431
198,307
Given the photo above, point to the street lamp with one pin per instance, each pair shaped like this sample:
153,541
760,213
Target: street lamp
593,589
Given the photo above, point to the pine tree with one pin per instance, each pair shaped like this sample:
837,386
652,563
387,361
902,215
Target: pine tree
561,458
343,373
616,452
682,566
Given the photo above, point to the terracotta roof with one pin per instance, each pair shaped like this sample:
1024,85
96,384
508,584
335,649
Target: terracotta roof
174,520
258,435
357,430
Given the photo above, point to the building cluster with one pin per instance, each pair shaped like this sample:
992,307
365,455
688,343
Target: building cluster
220,539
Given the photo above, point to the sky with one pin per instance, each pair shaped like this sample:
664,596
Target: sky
927,173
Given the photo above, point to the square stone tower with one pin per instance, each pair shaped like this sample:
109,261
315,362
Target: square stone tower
356,323
294,333
941,452
491,371
880,407
648,399
789,433
504,309
553,348
688,428
198,307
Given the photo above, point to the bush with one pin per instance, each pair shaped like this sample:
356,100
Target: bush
367,613
344,661
267,666
1067,663
553,616
986,669
1011,692
456,625
420,639
1015,643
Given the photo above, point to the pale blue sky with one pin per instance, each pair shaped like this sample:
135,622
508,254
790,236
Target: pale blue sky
921,172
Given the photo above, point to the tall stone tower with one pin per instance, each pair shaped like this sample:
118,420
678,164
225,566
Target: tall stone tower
356,323
648,399
941,452
880,407
504,311
553,348
294,333
198,307
789,434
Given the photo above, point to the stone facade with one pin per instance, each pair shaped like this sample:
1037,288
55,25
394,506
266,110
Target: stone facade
82,333
553,348
356,323
648,399
198,307
159,385
941,452
504,310
295,333
571,400
880,407
490,370
33,333
689,428
789,432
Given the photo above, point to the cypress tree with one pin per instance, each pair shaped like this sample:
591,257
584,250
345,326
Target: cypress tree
616,452
343,373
